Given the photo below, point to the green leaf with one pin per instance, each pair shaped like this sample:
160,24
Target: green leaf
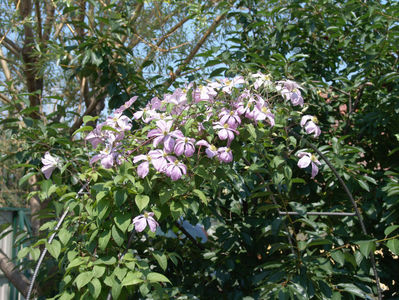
104,239
54,248
390,229
98,271
105,261
157,277
352,289
142,201
116,289
217,72
83,279
120,273
122,221
252,131
95,287
64,235
364,185
23,252
67,295
161,259
200,195
336,296
132,278
24,178
120,197
339,257
87,119
75,262
366,247
117,235
83,129
393,245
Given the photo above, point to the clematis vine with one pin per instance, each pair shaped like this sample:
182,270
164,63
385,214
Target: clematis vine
214,113
307,159
140,222
49,164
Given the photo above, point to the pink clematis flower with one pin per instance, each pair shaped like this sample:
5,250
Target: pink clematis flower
308,159
108,157
225,131
309,123
290,90
175,169
162,134
210,151
49,164
184,145
140,222
261,80
144,167
230,117
126,105
159,159
225,154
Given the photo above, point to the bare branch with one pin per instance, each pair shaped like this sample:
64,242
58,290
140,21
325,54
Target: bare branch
194,51
4,99
11,46
162,39
4,65
8,30
155,47
133,19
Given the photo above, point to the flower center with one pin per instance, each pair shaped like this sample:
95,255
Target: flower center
226,125
315,120
146,215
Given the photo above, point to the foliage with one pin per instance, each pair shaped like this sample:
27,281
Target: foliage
344,56
253,250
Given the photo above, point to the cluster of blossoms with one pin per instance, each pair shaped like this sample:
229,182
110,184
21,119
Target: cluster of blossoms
213,113
223,109
202,119
110,133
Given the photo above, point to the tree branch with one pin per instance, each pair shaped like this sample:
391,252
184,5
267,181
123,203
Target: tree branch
11,46
48,24
162,39
39,19
17,278
194,51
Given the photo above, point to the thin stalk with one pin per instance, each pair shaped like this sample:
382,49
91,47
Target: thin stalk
357,211
49,242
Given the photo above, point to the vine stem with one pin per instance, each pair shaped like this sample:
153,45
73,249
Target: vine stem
348,192
61,220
